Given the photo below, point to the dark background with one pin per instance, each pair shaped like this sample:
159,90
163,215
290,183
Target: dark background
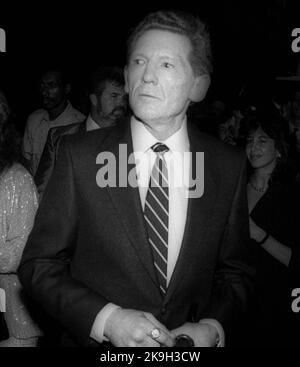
251,43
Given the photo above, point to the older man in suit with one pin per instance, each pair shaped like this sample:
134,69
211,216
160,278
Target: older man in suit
140,263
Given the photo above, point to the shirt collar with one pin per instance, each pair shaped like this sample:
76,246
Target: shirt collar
143,140
91,124
60,117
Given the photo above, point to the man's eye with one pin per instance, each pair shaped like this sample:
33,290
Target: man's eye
167,65
49,85
138,62
263,140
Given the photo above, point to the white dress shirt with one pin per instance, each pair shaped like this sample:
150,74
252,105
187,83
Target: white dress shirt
91,124
178,143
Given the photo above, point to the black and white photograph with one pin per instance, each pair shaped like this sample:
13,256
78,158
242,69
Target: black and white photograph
150,177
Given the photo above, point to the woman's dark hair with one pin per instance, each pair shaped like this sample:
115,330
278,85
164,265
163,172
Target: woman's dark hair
10,141
276,128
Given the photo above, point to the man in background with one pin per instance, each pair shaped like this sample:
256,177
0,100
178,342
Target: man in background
54,89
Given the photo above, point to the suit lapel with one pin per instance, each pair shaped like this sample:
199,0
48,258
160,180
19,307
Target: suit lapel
82,126
198,213
126,199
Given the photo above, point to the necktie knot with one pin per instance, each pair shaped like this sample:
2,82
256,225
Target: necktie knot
159,148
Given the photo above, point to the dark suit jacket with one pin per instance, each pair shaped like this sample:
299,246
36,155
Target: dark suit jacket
89,244
48,158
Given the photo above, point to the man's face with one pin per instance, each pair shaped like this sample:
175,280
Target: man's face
52,90
159,77
111,103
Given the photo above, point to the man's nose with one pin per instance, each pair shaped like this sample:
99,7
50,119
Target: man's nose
44,91
149,75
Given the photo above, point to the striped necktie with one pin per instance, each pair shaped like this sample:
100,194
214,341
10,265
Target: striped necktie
156,214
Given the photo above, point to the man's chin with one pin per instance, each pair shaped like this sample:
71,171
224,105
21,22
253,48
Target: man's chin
116,117
147,117
47,105
145,112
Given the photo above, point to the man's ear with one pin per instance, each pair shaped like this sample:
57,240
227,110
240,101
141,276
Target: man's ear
93,99
126,79
200,88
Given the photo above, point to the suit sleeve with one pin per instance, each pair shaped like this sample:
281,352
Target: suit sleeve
46,164
233,282
45,266
27,145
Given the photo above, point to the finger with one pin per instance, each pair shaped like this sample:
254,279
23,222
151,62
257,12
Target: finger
149,343
158,324
166,338
161,337
141,334
178,331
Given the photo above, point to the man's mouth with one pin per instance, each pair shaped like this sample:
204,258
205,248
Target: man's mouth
119,111
148,95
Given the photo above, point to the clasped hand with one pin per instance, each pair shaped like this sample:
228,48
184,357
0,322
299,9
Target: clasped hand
132,328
